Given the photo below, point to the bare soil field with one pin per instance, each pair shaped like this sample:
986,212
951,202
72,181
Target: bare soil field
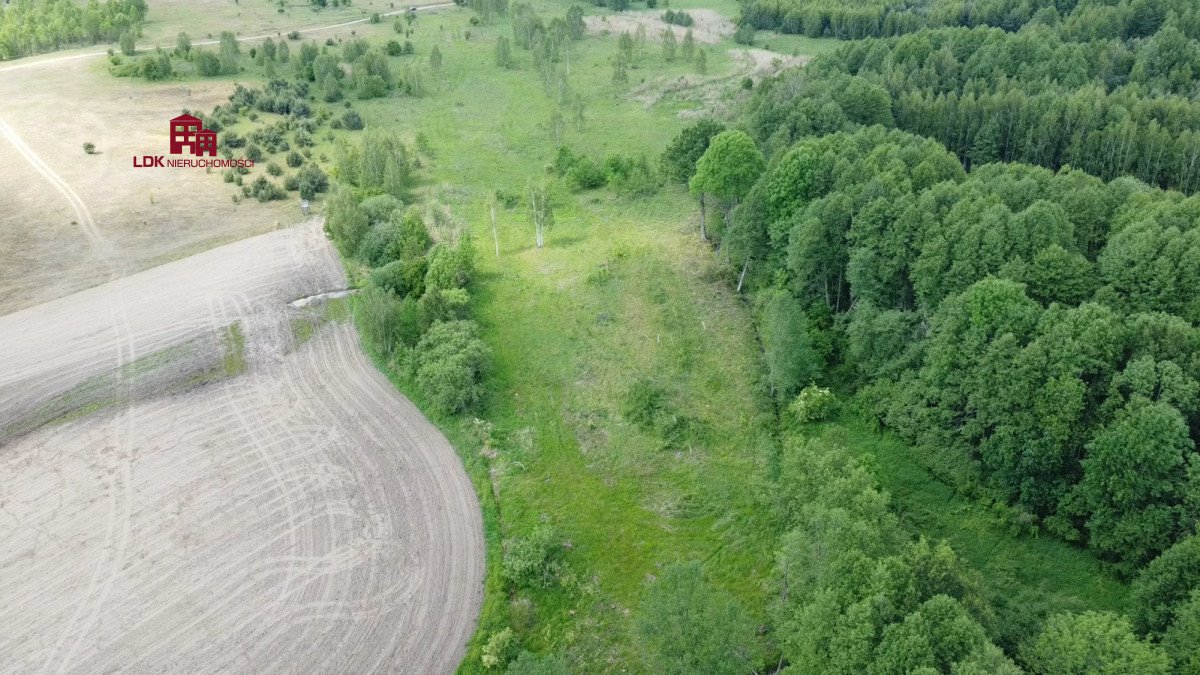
710,27
54,189
50,105
300,515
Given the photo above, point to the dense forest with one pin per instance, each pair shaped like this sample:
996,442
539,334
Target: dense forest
1109,107
965,230
1075,19
32,26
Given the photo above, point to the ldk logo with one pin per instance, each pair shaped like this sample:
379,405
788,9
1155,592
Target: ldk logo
188,136
187,131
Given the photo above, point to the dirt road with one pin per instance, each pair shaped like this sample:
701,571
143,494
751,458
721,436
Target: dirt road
299,516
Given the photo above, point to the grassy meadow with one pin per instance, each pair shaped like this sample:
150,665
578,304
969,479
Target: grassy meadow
622,291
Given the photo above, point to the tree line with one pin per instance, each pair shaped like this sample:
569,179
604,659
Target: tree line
1104,107
1081,20
33,26
413,309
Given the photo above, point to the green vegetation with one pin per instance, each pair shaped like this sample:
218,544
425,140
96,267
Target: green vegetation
32,26
1108,107
1082,21
234,360
674,480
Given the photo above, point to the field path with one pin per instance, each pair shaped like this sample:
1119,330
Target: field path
300,517
83,216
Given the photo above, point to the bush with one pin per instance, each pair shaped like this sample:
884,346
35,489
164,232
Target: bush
352,120
678,18
1165,585
685,626
274,169
381,207
232,140
345,221
450,267
89,148
294,159
533,561
381,318
585,174
402,277
450,360
500,649
744,35
813,404
294,35
264,190
630,177
311,181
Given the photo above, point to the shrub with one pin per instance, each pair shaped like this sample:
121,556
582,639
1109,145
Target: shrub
500,649
345,221
533,561
294,35
352,120
89,148
381,207
401,277
685,626
585,174
311,181
450,267
744,35
274,169
812,404
450,360
264,190
678,18
294,159
232,140
380,318
1165,585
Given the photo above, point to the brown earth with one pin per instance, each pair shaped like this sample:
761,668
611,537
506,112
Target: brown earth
301,515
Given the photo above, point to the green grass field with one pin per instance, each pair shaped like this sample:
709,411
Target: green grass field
623,290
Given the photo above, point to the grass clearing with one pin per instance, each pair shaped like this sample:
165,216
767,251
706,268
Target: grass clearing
622,291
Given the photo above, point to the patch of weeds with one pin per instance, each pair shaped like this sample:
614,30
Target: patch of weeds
234,361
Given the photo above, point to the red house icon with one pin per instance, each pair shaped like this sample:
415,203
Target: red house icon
206,143
187,131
